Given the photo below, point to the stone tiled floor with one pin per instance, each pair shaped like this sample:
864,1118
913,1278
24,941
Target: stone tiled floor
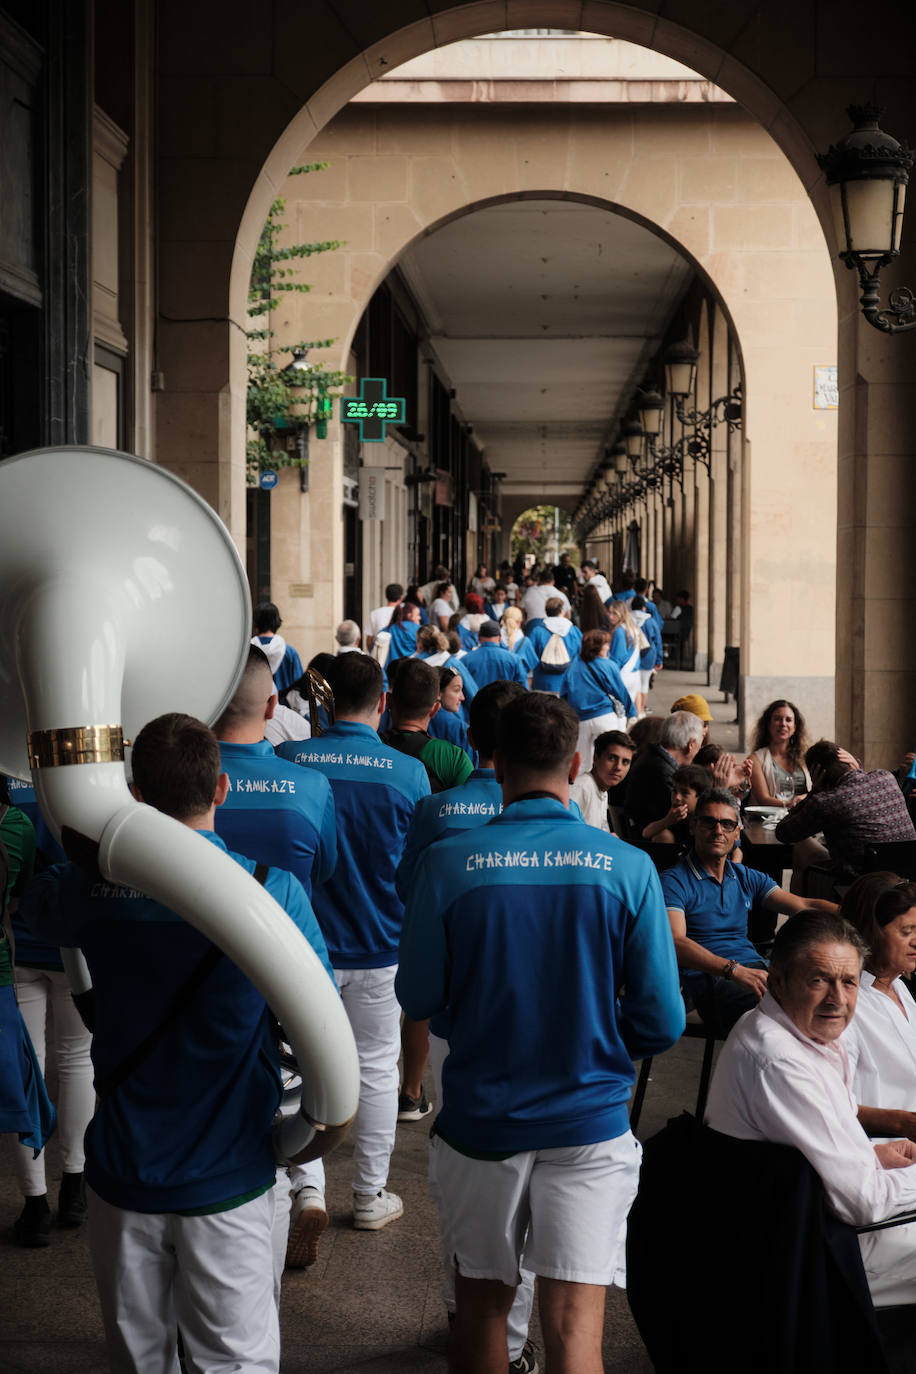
372,1300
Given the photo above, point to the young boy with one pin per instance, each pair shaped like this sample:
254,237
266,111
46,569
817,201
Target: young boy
611,763
687,785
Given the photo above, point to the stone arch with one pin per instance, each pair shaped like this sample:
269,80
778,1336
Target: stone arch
755,281
792,72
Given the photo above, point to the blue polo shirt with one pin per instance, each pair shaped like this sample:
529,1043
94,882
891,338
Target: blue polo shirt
536,900
276,814
375,791
717,913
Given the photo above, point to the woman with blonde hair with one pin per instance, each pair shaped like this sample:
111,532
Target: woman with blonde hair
625,647
513,637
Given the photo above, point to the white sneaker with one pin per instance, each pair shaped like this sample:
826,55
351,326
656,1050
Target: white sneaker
307,1220
372,1211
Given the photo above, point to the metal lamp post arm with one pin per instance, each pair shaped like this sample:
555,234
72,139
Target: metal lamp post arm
899,315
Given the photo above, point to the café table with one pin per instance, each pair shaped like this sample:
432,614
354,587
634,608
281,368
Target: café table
762,850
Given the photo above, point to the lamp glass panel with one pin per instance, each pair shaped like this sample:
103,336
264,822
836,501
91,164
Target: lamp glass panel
837,202
870,207
620,462
651,420
898,215
679,378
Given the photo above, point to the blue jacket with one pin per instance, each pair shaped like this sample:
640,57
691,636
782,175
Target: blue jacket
590,698
190,1126
540,901
651,657
460,808
525,650
543,680
403,640
492,663
276,815
375,791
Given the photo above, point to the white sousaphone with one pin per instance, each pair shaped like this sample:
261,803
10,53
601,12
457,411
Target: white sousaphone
122,597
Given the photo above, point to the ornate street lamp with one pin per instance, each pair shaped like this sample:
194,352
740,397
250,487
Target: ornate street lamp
632,438
650,408
867,173
680,370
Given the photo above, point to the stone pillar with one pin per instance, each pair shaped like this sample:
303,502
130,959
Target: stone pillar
876,574
718,494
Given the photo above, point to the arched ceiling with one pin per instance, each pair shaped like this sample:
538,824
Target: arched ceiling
544,314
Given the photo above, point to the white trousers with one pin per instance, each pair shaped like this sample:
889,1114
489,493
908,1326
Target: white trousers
375,1019
519,1316
589,730
44,994
209,1277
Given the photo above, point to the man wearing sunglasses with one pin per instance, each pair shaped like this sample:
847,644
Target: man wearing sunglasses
709,901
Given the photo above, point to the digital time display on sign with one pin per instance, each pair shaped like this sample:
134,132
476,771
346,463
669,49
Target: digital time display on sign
372,409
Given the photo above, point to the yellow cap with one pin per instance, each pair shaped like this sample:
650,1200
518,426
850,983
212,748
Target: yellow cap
695,703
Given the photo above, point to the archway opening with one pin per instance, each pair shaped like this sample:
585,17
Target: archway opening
541,535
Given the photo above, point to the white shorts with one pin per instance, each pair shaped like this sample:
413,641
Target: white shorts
644,676
560,1213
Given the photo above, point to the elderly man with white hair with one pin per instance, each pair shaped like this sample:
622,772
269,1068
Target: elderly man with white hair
347,637
649,786
784,1076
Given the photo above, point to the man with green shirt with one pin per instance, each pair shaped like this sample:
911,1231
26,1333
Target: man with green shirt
413,701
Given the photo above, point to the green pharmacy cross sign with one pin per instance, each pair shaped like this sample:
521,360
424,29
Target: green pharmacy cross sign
372,409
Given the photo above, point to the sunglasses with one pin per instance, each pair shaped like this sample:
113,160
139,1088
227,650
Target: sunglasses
711,823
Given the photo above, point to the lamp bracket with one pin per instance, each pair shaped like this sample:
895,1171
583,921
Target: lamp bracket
899,315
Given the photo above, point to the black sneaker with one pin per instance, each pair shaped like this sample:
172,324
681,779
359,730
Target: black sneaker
413,1108
71,1201
33,1227
527,1362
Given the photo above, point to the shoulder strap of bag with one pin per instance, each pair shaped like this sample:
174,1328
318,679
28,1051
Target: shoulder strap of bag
619,708
199,975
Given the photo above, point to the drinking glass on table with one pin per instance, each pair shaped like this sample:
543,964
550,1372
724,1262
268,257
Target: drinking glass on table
785,792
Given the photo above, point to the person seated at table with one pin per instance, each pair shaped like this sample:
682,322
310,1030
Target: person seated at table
784,1076
777,753
613,754
687,786
881,1043
697,706
851,807
709,901
724,769
649,785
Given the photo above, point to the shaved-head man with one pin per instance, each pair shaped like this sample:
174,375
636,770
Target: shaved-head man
279,815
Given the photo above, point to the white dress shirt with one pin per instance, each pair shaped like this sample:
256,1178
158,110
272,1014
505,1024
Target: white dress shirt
774,1083
881,1043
